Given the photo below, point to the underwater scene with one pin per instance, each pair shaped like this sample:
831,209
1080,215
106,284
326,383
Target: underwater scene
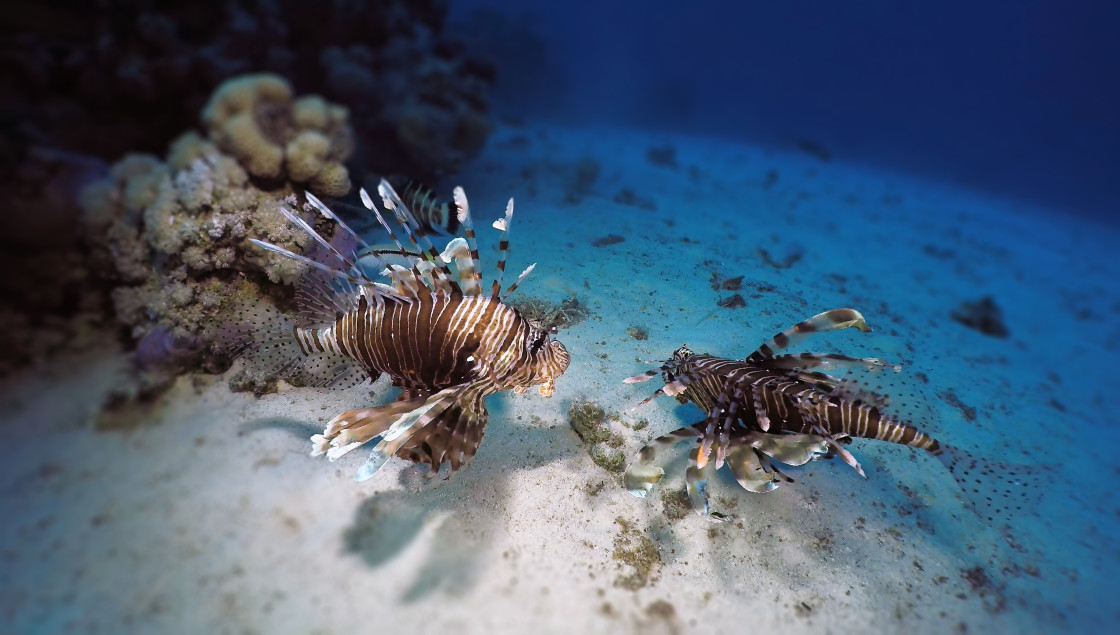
482,316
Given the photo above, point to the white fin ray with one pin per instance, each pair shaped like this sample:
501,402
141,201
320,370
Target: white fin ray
464,215
327,213
503,249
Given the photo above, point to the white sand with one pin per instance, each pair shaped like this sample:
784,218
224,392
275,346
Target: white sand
210,517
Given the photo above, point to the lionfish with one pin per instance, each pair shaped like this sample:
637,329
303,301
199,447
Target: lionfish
445,342
782,408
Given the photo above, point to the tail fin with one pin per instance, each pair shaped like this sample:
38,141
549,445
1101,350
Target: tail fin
996,492
265,340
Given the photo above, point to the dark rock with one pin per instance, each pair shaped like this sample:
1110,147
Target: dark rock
734,302
609,239
982,315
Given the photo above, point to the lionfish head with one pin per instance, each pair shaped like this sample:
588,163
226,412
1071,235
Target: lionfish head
549,360
674,366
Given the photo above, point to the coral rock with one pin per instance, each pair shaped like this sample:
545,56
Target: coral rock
255,119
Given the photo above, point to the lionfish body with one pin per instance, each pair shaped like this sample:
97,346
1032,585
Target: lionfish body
445,342
782,408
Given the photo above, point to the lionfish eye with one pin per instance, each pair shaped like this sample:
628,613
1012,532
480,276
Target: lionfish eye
538,341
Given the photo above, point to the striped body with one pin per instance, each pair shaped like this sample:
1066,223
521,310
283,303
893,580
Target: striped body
773,408
792,404
443,341
430,343
781,408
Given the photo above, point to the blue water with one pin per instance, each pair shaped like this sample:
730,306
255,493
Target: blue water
1021,99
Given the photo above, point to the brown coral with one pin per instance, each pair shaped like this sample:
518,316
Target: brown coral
255,119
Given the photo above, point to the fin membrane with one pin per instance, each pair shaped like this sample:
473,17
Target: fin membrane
996,492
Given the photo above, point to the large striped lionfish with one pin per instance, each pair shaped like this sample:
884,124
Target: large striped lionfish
444,341
781,408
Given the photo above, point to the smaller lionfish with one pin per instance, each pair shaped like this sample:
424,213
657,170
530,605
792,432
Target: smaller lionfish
445,342
781,408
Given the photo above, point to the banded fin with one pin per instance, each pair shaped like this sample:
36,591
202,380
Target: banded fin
828,321
328,214
450,425
696,478
376,258
453,437
503,249
646,376
520,279
747,467
720,420
822,361
391,271
463,214
321,296
641,475
353,428
432,214
790,449
351,269
460,251
997,492
418,237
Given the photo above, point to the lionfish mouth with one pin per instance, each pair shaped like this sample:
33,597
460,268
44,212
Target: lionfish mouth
548,387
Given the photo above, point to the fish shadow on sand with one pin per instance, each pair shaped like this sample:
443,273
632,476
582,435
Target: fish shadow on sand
465,514
299,428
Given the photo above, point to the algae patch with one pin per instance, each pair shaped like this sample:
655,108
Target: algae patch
636,551
675,504
593,426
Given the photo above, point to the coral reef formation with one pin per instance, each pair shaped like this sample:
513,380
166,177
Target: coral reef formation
128,78
170,237
45,301
83,85
255,119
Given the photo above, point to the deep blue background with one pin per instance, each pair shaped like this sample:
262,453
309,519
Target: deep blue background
1020,98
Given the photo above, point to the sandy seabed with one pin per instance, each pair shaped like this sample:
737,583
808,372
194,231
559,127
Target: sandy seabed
205,514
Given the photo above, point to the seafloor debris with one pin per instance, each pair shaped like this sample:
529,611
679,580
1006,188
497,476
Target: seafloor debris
636,551
783,257
564,314
579,178
814,149
638,333
627,196
606,241
982,315
734,302
664,156
719,283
